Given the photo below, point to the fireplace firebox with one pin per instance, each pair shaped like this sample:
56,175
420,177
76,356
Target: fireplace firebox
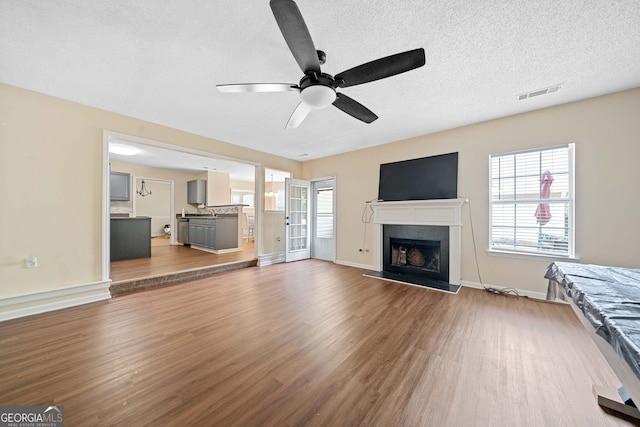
420,251
415,256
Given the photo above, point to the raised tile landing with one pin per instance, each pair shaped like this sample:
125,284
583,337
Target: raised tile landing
124,287
171,264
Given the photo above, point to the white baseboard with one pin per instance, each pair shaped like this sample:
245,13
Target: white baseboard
521,292
354,264
475,285
268,259
27,305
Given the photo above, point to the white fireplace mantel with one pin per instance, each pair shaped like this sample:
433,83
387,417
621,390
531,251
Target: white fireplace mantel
440,212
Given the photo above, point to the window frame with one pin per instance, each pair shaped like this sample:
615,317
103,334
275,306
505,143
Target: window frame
570,200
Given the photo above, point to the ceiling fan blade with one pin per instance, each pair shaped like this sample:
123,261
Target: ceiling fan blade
296,34
354,108
298,115
258,87
381,68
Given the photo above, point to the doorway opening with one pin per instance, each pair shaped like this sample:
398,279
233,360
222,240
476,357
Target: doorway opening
166,170
323,224
310,219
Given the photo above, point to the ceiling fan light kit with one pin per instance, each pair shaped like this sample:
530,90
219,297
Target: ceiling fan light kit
319,90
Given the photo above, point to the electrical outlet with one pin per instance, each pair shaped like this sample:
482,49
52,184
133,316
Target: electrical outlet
31,262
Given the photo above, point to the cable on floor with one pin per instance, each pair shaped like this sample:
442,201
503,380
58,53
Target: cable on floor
367,215
499,291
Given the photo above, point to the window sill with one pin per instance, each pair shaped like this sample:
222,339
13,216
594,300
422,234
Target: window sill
527,255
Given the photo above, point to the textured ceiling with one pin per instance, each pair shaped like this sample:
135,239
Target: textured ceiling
160,60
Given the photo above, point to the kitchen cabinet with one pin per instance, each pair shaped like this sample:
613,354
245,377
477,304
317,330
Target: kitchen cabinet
130,238
216,234
202,232
120,186
198,228
197,192
227,233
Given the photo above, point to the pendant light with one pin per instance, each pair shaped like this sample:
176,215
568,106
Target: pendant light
143,190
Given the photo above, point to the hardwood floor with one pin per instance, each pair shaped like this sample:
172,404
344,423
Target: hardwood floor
307,343
166,259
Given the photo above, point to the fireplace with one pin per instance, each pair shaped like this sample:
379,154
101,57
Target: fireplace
418,242
416,250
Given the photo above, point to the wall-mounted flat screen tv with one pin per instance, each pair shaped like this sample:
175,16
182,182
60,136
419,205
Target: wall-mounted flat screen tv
426,178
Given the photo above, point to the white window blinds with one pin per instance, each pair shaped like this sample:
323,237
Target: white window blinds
324,213
531,201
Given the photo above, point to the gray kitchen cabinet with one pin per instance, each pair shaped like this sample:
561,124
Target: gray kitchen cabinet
227,232
197,192
120,186
202,232
130,238
210,236
217,234
196,233
193,237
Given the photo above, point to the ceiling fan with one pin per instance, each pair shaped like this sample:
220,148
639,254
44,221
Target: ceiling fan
317,89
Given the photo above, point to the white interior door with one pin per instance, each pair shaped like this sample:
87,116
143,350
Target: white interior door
156,205
297,209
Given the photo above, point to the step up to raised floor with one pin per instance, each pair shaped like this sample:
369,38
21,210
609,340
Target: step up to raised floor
134,285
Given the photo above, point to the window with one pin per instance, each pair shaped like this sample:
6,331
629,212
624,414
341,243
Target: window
242,197
274,189
531,201
324,213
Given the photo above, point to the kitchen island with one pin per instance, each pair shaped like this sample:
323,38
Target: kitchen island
217,231
130,238
217,234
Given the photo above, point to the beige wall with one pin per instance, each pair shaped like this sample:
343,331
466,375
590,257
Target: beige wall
51,185
242,185
51,157
606,131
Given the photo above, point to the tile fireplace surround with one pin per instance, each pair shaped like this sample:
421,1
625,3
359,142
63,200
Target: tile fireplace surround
441,212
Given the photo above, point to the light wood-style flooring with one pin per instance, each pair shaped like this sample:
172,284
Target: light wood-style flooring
166,259
307,343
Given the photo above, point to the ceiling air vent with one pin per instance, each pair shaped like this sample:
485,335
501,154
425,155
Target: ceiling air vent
538,92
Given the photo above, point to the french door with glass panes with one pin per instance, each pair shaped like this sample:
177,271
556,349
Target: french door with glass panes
297,227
